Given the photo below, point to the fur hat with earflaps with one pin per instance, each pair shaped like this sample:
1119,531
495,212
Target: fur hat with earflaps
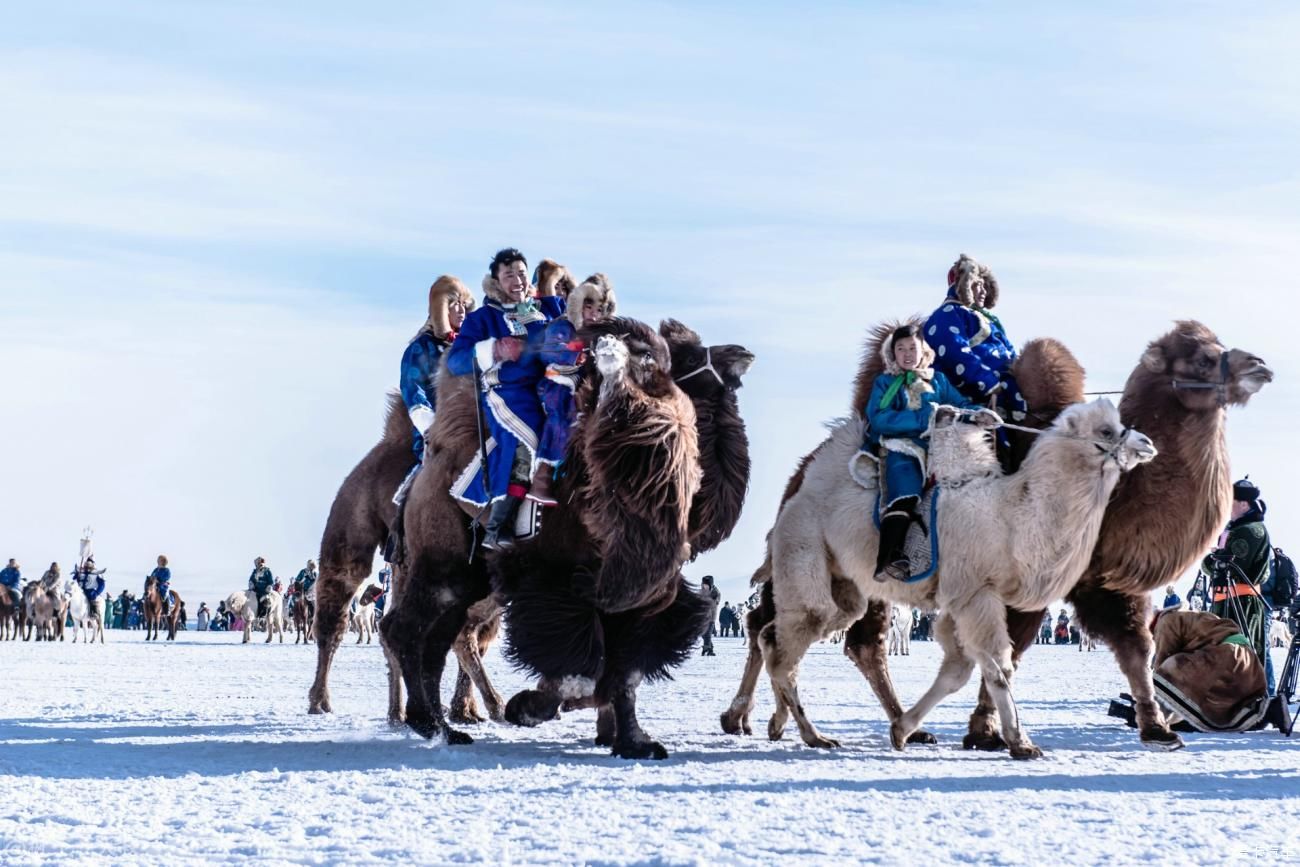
441,292
597,288
910,329
552,278
964,274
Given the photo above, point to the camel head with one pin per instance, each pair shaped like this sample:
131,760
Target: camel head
1097,424
1203,374
704,371
629,352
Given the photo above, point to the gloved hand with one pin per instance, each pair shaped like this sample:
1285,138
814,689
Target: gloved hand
507,349
985,418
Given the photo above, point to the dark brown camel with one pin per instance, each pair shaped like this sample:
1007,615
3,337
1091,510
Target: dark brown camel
153,611
10,605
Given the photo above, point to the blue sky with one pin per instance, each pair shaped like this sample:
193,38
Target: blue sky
218,221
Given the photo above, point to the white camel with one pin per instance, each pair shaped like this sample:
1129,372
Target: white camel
87,616
244,605
1017,540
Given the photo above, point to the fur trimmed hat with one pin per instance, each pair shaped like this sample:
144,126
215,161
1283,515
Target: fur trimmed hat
552,278
887,350
441,292
1245,491
597,288
964,274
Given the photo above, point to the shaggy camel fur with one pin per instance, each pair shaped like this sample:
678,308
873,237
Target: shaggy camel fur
596,604
1016,541
244,605
1050,379
153,612
363,511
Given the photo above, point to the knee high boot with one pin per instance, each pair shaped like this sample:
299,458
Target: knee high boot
500,529
891,560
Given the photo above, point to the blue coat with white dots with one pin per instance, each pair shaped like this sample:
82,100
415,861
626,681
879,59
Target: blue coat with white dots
972,349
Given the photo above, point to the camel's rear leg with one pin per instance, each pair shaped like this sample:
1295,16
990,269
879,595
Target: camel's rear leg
1122,622
982,729
735,719
864,643
334,593
954,672
481,628
784,644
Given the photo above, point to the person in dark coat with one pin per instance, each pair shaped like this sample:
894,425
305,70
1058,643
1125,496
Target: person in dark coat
710,592
1206,672
1237,568
261,582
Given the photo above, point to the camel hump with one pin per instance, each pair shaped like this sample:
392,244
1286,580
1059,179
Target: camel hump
871,365
397,424
1049,375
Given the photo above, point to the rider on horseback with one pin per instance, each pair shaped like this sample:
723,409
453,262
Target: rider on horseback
90,581
261,582
163,576
305,579
10,577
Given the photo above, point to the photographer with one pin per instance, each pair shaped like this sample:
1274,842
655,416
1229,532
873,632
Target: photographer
1205,673
1238,567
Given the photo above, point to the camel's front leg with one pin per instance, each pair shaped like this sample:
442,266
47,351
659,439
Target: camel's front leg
982,729
954,671
1121,622
864,643
981,627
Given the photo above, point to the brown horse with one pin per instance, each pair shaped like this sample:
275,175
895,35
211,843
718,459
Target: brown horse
153,611
301,618
10,604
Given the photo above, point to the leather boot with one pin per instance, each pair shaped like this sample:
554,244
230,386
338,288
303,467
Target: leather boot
540,492
891,560
500,526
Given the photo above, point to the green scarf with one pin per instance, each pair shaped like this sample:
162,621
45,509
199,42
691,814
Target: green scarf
1237,639
901,381
987,314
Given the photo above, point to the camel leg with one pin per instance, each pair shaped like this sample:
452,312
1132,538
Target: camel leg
735,719
421,640
864,643
982,729
1122,622
464,706
630,740
981,628
329,623
783,649
954,672
472,642
396,712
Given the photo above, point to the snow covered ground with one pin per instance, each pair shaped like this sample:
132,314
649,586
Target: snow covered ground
134,753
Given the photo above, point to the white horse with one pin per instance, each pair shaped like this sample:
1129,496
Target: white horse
87,616
900,631
363,619
243,603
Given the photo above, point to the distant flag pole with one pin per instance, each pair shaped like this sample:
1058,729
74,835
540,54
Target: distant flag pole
87,546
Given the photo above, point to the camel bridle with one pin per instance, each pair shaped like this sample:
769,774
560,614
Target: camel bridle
1221,386
707,366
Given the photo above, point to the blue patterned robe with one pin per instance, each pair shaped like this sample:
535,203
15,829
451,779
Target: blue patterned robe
560,353
972,349
419,372
509,398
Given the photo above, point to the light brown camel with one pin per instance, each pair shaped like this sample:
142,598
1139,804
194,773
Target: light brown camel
363,512
1050,379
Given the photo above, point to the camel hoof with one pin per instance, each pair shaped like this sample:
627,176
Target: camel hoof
745,727
1026,752
466,717
1161,739
423,726
641,750
531,707
458,739
897,739
731,725
989,742
821,742
775,730
922,737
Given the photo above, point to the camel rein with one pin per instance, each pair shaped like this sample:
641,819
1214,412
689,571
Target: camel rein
1105,448
708,365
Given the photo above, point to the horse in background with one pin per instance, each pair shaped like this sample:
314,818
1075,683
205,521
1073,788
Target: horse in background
363,619
243,604
10,618
153,611
87,616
